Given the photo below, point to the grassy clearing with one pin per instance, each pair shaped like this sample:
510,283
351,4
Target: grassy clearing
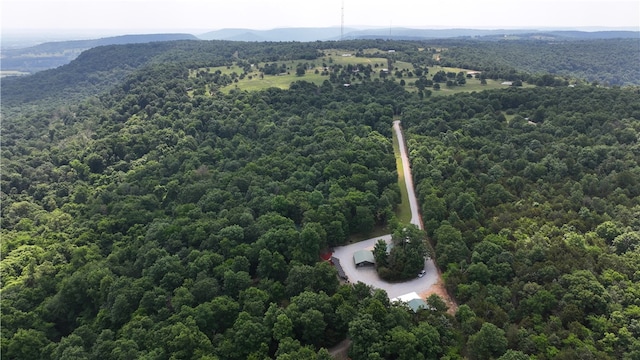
508,117
225,70
253,81
403,212
435,69
377,231
401,65
352,60
472,85
282,82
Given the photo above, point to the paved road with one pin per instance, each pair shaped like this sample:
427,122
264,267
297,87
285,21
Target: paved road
368,275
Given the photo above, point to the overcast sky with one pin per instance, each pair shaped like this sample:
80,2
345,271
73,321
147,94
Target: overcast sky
190,15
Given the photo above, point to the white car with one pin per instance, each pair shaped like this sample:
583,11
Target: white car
421,273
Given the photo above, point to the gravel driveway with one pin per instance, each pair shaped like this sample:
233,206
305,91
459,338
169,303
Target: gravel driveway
369,276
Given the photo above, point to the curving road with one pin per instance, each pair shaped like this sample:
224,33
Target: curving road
368,275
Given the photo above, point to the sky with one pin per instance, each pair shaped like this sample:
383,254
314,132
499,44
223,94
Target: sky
139,16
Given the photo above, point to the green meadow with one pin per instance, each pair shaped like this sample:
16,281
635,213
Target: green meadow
255,80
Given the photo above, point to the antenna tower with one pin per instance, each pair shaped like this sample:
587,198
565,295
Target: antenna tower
342,23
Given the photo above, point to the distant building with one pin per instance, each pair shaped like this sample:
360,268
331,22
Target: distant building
507,83
363,258
413,301
417,304
391,51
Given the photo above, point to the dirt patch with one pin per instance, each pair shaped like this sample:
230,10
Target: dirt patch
326,255
439,289
341,351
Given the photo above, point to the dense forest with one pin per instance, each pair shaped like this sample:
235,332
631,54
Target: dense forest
535,220
610,61
150,222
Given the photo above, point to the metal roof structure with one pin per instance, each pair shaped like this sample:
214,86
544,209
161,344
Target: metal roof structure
336,262
418,304
363,257
413,301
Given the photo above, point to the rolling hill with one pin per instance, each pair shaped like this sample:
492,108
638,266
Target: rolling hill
53,54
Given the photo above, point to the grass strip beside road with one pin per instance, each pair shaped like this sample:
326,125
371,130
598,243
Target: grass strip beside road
403,211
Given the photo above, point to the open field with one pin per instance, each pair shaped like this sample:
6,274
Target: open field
337,58
435,69
282,82
508,117
473,85
255,80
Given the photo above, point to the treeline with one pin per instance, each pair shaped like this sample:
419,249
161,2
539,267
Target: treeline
92,72
609,62
531,197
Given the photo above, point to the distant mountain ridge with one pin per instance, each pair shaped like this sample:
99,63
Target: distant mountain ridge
278,34
53,54
402,33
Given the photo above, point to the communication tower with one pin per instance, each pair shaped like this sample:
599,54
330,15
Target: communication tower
342,23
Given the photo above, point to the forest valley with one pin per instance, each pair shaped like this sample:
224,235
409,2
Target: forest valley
146,214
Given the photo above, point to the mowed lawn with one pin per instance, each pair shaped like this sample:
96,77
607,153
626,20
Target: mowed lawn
282,82
253,81
472,85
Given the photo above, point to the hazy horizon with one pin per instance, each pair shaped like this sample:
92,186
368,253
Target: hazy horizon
199,16
83,34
